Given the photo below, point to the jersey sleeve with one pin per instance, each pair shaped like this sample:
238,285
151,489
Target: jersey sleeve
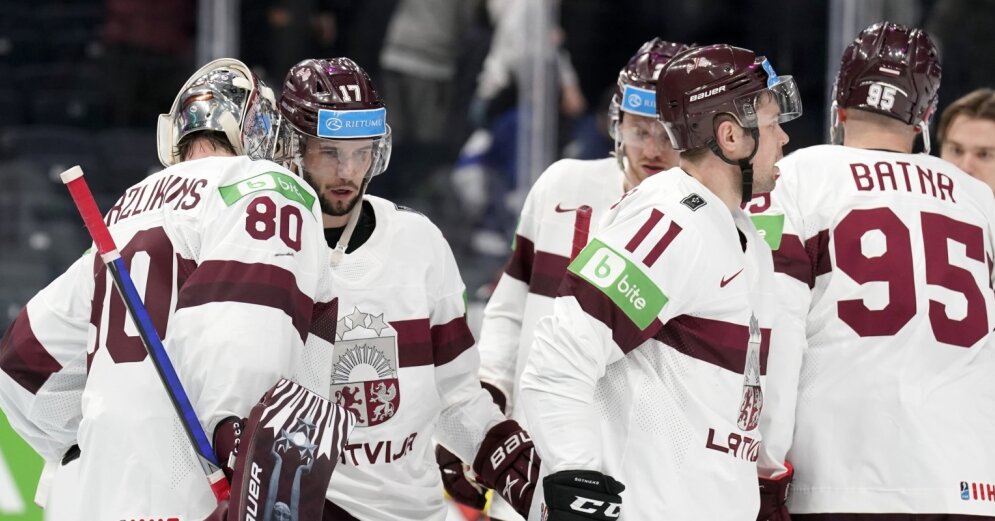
631,279
43,362
794,276
501,330
243,313
467,410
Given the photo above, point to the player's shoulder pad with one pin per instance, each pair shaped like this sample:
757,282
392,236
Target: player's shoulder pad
261,176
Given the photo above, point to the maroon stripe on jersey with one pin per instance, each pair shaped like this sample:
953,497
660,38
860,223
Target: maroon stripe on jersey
719,343
818,250
324,320
450,340
547,273
803,262
520,263
22,356
792,260
249,283
625,332
414,342
888,517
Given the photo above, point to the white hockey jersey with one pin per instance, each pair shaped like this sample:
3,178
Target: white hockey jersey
229,256
884,269
404,362
651,368
554,226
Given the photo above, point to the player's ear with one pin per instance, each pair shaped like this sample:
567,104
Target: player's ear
729,136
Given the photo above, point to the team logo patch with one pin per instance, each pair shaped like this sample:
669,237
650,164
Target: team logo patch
620,280
753,396
364,368
694,201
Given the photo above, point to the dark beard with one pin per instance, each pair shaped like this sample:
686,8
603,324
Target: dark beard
335,209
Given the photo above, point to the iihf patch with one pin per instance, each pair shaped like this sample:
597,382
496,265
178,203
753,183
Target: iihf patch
693,201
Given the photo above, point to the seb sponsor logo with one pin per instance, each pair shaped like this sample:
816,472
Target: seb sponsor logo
621,281
974,491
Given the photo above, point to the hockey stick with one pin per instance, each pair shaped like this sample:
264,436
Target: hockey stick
94,221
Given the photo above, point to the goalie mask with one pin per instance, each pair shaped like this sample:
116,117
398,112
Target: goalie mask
223,96
889,69
635,92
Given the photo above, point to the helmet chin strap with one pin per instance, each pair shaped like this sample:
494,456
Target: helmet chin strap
339,251
745,167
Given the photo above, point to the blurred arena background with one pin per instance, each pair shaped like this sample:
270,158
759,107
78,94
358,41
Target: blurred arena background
482,96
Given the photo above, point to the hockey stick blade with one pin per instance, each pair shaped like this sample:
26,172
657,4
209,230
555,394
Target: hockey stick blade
94,221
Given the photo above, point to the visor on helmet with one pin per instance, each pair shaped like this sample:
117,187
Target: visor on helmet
645,133
781,90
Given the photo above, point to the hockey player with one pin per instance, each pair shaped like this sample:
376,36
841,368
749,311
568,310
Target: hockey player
228,254
404,358
560,213
649,375
884,274
967,134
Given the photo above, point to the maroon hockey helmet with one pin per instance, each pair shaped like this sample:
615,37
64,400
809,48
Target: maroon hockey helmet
635,90
335,99
890,69
703,82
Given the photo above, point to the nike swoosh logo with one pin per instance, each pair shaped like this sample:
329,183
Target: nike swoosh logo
728,280
559,209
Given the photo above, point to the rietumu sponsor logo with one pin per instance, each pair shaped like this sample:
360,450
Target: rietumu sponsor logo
621,281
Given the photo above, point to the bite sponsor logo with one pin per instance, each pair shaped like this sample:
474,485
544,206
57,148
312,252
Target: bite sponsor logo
977,491
620,280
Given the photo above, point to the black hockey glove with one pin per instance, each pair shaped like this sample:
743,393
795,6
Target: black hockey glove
582,495
773,495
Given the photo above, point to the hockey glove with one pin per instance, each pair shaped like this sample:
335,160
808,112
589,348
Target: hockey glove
773,494
508,463
458,481
227,436
581,495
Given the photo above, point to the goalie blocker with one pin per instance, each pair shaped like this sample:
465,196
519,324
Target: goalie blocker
283,455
